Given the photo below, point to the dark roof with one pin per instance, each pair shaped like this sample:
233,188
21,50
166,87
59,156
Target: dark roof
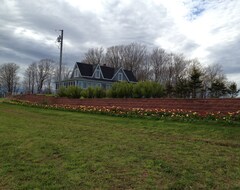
87,70
130,75
107,72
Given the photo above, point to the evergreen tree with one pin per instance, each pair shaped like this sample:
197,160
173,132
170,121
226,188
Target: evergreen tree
232,90
218,89
182,88
195,81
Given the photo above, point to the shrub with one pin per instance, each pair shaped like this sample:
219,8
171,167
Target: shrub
62,92
70,92
99,92
88,93
138,90
121,90
158,90
109,93
74,92
148,89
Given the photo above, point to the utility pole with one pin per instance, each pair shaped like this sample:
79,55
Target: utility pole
60,40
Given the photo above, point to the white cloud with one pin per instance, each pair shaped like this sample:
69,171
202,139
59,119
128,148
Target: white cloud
89,5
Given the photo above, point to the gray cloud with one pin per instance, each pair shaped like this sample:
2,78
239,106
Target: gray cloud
119,23
227,55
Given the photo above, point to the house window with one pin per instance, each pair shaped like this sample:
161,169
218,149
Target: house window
97,74
89,85
99,85
80,83
108,86
76,73
120,76
84,84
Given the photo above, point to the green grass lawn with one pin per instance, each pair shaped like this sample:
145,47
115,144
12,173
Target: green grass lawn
49,149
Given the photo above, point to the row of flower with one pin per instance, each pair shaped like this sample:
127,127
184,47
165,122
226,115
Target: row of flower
175,114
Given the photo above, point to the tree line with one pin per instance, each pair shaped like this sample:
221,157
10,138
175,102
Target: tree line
38,77
180,77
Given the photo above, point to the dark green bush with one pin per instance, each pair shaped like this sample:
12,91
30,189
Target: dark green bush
88,93
99,92
70,92
138,90
109,93
148,89
121,90
62,92
158,90
74,92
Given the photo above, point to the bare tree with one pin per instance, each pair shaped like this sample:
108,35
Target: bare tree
48,84
1,91
180,65
145,72
158,59
212,74
8,77
134,56
44,72
114,56
65,74
94,56
30,76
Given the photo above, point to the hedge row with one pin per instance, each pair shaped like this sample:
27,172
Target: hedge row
77,92
146,89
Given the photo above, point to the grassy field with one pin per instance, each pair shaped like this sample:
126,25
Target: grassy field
47,149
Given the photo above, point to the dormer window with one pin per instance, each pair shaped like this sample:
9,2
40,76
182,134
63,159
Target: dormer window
97,74
76,73
120,76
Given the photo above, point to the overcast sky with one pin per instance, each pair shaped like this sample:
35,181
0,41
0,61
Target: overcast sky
205,29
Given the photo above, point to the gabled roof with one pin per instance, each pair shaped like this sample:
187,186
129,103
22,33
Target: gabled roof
130,76
107,72
118,71
87,70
